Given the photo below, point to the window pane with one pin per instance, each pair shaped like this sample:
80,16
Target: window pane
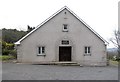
85,49
39,50
88,49
43,50
65,26
65,42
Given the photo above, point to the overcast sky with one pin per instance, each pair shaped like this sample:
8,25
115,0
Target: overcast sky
101,15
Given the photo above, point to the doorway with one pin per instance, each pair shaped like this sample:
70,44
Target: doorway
65,53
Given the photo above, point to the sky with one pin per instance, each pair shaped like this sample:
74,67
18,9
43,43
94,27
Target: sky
101,15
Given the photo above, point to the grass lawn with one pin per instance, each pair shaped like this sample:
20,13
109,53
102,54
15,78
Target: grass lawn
5,58
113,62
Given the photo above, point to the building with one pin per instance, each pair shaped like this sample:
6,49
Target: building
62,37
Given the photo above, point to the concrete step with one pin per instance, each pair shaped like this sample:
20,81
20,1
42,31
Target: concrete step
58,63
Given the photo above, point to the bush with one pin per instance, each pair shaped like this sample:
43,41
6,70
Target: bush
6,57
5,52
9,53
118,59
13,53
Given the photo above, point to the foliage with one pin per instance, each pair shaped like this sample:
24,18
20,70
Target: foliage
114,62
12,35
8,46
30,28
8,49
6,57
13,53
116,42
113,57
9,36
5,52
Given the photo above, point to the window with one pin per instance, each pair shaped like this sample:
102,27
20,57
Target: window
65,28
65,42
41,50
87,51
65,12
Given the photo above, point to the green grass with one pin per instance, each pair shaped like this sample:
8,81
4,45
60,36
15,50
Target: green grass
3,58
113,62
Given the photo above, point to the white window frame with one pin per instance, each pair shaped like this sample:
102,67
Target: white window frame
65,30
40,51
88,51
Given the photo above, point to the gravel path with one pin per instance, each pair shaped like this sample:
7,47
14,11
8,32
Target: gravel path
12,71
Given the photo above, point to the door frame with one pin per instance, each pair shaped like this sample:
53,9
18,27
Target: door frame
58,43
70,53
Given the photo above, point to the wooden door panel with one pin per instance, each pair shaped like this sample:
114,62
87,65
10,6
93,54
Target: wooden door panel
64,53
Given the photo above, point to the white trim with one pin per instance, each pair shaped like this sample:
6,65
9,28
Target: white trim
65,7
87,54
88,50
41,54
63,29
41,49
18,42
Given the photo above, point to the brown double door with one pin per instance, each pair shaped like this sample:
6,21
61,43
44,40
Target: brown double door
65,53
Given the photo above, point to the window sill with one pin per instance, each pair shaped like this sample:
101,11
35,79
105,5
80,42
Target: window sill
41,55
87,54
65,30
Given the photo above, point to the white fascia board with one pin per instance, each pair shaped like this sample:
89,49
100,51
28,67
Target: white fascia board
65,7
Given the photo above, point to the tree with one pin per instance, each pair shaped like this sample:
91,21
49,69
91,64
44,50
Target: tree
116,41
12,35
30,28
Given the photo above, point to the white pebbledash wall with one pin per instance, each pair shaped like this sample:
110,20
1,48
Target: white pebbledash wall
50,35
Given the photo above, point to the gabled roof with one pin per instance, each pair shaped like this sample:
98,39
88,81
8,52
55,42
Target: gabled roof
65,7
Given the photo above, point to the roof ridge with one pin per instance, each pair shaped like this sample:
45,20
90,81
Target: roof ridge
18,42
65,7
